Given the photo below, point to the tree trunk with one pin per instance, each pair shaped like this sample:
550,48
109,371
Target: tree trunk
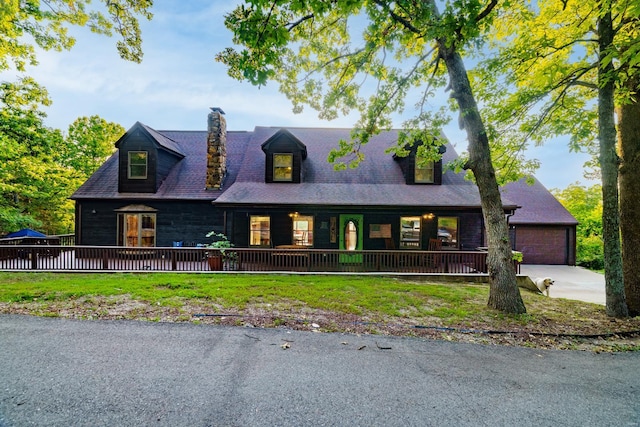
629,140
616,305
504,294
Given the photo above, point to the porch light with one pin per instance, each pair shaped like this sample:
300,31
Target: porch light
294,214
428,216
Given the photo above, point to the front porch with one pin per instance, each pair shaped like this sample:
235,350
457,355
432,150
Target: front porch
196,259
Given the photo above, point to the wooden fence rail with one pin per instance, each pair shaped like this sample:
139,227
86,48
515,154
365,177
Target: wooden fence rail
94,258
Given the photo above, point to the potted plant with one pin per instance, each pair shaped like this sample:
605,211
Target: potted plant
220,243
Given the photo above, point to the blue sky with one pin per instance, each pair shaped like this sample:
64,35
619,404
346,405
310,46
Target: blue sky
179,80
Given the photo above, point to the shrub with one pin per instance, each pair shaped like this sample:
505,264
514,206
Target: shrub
590,252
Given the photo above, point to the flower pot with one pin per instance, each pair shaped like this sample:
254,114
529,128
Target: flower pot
215,262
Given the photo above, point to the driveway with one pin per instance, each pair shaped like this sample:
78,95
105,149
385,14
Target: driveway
56,372
570,282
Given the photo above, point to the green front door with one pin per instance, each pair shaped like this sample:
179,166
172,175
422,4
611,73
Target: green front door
351,236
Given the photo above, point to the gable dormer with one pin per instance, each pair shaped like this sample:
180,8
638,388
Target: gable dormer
145,158
420,173
285,155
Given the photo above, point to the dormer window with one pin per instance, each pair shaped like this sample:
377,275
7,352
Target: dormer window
137,165
424,171
283,167
418,170
284,157
145,159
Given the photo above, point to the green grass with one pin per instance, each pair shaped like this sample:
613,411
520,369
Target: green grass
356,295
354,304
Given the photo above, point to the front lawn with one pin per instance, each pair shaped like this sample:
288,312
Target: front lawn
332,303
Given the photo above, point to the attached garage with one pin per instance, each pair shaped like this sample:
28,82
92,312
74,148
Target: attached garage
545,244
542,229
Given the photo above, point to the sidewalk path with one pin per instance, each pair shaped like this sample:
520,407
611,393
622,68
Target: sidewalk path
570,282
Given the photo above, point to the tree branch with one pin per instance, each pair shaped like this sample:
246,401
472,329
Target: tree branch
487,10
291,25
567,83
397,17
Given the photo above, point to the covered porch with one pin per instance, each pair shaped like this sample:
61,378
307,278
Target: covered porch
198,259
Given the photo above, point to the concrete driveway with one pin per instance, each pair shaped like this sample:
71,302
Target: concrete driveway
66,373
570,282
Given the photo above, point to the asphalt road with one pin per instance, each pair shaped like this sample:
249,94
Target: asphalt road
56,372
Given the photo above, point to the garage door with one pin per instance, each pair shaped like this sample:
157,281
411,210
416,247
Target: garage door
543,244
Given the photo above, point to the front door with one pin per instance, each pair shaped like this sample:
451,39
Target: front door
351,236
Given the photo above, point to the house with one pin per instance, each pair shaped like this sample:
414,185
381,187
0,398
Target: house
273,187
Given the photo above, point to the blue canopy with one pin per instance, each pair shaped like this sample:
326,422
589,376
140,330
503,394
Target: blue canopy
26,232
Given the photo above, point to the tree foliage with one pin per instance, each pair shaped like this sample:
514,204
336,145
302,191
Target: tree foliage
585,204
556,69
25,24
40,167
372,57
31,178
90,141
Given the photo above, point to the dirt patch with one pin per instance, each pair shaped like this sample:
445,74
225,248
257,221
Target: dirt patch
586,329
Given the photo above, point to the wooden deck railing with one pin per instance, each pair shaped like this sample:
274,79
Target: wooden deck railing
93,258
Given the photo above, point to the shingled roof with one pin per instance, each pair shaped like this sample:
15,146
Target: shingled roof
186,181
378,181
538,206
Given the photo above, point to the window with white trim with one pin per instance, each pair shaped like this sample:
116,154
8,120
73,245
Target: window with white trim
283,167
137,166
410,229
424,171
259,231
302,230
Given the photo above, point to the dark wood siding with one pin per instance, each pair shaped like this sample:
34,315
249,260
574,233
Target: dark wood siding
137,142
186,221
283,144
470,226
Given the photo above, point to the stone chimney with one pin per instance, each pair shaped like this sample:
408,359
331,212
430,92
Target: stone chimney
216,148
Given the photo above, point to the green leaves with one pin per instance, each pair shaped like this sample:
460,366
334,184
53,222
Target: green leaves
30,23
368,57
90,141
585,204
39,169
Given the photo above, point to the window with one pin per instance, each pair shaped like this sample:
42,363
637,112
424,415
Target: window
351,236
137,229
302,230
260,231
137,165
410,232
448,231
283,167
424,171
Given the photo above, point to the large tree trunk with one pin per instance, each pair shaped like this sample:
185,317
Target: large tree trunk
504,294
629,140
614,285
